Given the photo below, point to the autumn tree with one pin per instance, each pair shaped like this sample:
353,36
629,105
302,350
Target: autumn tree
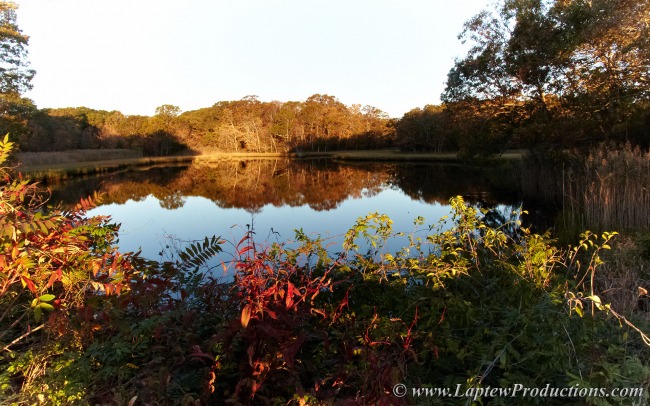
426,129
167,114
246,125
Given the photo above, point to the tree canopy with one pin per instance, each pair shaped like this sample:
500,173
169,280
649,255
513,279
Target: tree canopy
555,71
15,74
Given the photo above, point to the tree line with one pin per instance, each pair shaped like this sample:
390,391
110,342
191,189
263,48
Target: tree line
540,74
320,123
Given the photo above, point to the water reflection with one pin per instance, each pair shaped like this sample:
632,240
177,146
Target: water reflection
276,196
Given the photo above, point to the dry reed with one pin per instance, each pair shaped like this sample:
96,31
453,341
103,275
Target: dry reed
73,156
613,191
609,189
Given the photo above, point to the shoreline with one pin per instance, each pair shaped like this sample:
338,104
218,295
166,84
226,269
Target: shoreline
79,167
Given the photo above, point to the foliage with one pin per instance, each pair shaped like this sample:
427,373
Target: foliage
52,263
543,73
429,128
604,188
463,303
247,125
15,74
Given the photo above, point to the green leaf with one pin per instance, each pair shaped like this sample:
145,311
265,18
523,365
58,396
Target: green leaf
45,306
46,298
38,313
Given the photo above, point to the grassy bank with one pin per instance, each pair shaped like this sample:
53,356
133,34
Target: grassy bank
396,155
60,165
71,169
31,159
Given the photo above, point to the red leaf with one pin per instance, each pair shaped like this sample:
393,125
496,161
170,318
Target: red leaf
242,240
343,303
55,276
271,313
244,250
198,352
250,352
96,268
28,282
289,300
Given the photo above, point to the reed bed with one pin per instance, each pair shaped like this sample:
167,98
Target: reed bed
624,278
613,189
608,189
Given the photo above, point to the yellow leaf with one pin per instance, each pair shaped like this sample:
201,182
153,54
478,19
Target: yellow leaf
245,316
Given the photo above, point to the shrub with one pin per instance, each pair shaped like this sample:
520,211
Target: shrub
52,261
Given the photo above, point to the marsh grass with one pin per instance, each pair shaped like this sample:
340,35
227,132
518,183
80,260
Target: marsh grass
29,159
609,189
62,171
615,189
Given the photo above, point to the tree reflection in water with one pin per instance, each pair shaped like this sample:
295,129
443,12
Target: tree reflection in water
279,195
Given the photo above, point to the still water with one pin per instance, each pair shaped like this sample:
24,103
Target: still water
162,208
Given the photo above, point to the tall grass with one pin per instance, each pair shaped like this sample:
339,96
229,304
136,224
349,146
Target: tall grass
615,189
607,189
610,189
73,156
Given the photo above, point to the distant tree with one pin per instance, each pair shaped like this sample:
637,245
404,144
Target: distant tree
424,129
285,122
165,119
15,113
167,113
168,110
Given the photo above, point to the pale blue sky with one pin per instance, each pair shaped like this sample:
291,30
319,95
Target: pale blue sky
134,55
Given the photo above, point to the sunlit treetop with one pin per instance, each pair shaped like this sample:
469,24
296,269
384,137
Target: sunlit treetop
15,74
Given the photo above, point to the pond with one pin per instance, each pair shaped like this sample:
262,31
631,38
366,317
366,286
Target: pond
161,208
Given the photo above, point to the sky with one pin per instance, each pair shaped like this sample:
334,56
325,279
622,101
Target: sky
135,55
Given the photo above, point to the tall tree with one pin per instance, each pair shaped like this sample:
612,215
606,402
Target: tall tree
15,74
536,64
